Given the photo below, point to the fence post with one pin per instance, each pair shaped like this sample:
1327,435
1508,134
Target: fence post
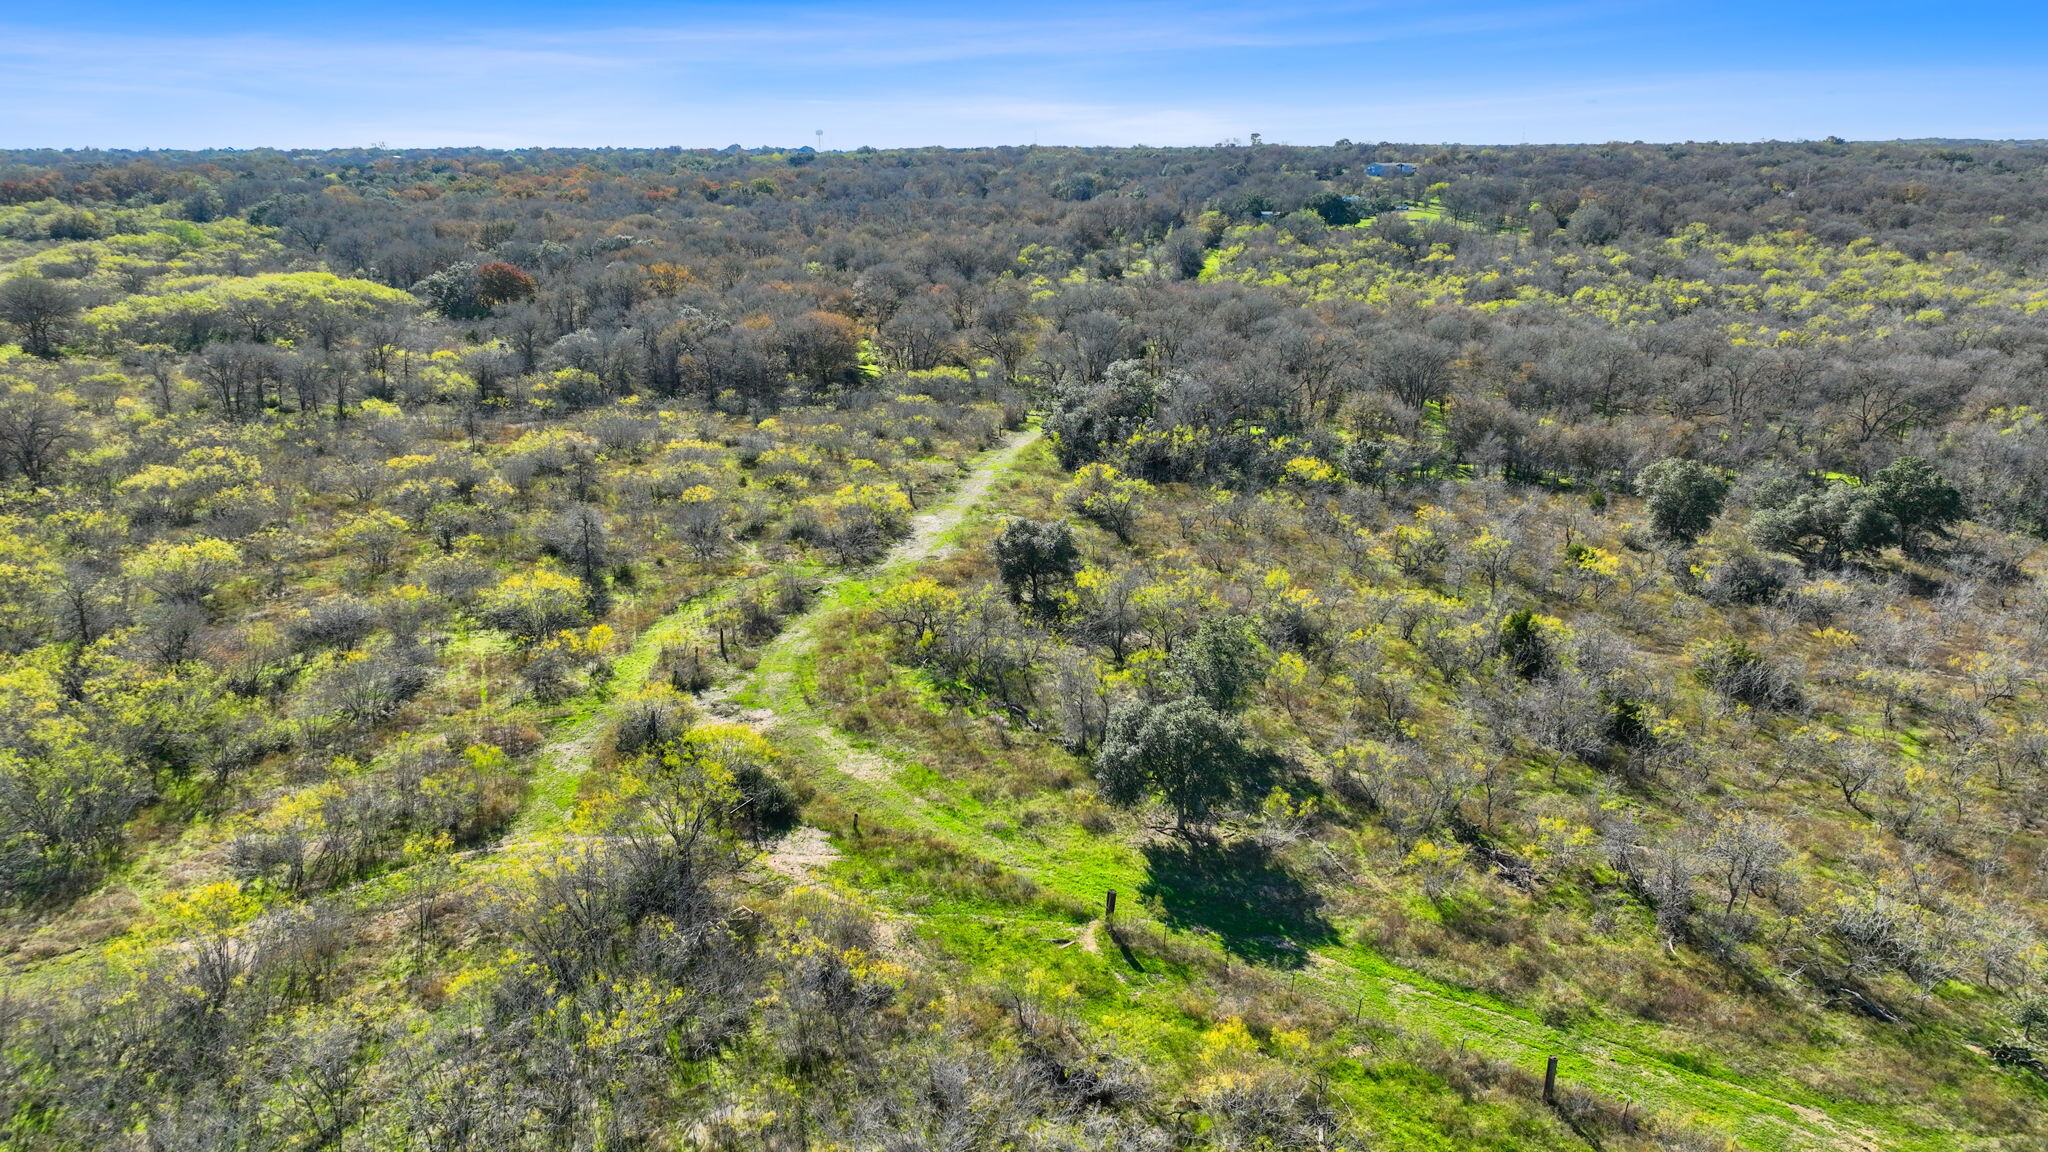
1550,1083
1109,904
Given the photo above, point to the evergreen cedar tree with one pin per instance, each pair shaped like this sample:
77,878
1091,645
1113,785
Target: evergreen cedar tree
1523,643
1034,559
1903,505
1683,497
1183,751
1190,750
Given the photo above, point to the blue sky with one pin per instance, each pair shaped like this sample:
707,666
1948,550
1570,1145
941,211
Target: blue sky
235,73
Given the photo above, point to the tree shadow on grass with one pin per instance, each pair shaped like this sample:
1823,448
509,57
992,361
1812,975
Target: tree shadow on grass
1262,913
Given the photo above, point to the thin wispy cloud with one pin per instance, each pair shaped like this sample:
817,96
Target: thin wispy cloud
836,37
869,39
1061,73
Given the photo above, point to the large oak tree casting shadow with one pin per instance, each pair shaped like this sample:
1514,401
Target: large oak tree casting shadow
1262,913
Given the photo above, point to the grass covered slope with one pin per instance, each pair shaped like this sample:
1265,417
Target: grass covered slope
1533,934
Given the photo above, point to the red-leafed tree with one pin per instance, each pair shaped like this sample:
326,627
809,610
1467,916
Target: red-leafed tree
499,283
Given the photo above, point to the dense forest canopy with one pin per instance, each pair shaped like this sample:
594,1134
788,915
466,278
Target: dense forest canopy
457,606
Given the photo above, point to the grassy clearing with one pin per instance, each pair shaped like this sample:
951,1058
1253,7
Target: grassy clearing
1056,873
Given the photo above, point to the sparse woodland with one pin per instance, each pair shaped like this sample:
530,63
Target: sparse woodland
663,649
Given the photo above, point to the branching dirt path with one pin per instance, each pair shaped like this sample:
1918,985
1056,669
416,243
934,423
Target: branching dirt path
866,778
1609,1059
564,760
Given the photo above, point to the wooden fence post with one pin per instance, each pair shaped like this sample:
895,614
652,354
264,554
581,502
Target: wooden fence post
1109,905
1550,1083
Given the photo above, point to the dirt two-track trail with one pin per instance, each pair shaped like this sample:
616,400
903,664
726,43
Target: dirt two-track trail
772,700
567,757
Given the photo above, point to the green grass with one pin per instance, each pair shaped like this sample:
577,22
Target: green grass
1029,931
553,789
1071,868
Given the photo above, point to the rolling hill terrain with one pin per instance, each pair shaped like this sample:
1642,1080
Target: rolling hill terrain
1052,648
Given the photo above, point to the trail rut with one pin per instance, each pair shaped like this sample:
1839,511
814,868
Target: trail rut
771,699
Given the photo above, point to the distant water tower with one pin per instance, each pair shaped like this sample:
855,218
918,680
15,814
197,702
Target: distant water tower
821,139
